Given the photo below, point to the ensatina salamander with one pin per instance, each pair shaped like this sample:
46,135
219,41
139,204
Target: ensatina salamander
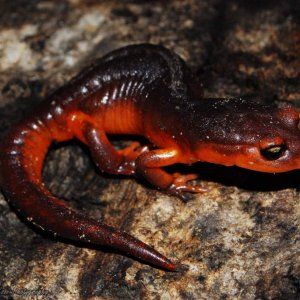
142,90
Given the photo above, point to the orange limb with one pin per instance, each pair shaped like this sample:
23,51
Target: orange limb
107,158
149,166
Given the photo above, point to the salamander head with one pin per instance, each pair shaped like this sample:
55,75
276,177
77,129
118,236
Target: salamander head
259,138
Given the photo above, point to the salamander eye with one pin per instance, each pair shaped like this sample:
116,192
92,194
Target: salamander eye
273,152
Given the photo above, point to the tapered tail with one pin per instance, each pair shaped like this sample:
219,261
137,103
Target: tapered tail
21,157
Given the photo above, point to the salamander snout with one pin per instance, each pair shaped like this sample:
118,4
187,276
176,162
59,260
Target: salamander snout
289,117
281,149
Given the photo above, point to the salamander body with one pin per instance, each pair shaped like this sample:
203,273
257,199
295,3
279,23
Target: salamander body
142,90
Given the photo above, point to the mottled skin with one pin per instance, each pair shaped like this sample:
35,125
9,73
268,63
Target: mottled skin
149,91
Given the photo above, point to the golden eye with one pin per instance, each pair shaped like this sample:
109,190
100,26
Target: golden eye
273,152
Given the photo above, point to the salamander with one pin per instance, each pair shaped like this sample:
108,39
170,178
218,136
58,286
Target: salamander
144,90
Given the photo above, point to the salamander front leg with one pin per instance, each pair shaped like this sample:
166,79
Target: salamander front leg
106,157
149,166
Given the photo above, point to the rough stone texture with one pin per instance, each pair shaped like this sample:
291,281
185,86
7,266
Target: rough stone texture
240,240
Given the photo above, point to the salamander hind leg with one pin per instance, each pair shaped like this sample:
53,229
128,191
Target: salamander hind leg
107,158
132,151
149,166
182,183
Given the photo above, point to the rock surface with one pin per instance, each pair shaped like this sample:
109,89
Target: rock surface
240,240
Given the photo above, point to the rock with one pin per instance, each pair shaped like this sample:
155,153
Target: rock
240,240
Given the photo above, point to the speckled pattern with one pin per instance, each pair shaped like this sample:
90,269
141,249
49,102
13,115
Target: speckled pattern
240,240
